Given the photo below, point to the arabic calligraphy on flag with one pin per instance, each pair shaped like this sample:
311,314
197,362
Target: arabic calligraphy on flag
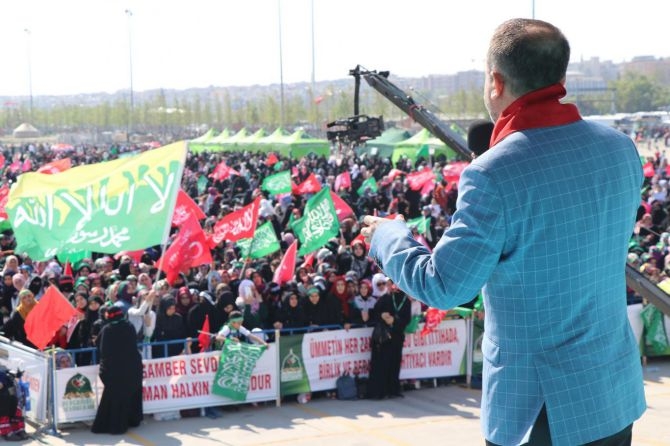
103,207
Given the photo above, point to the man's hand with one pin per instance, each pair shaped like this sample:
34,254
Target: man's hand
371,222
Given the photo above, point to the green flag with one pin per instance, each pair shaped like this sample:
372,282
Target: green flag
423,152
370,183
236,365
245,247
420,223
202,184
120,205
319,223
264,242
279,183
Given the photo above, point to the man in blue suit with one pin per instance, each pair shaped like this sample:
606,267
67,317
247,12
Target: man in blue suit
542,224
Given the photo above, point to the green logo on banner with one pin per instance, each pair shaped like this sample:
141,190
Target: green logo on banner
292,376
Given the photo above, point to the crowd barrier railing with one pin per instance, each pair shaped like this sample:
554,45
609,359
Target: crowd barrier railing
297,361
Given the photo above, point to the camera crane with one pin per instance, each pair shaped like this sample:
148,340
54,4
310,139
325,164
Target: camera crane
445,133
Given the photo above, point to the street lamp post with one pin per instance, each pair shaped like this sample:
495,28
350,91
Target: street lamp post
281,68
30,71
129,14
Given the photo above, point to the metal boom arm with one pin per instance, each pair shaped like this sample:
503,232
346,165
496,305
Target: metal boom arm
379,81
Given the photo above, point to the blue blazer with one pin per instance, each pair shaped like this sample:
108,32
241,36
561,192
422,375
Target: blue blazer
542,224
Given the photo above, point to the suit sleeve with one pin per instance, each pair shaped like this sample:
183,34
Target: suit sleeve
462,260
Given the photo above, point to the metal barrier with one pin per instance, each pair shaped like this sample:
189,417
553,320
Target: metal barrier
305,359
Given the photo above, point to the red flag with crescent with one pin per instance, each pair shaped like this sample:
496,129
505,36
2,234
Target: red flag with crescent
188,250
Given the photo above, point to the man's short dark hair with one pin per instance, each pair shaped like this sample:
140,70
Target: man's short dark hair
530,54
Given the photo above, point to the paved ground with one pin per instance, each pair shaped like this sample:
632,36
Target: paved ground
446,415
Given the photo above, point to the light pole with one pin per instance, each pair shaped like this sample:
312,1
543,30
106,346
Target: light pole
533,10
129,14
30,71
281,69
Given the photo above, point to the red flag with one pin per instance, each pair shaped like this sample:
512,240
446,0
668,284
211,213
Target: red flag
416,180
342,209
452,172
271,159
309,186
55,166
67,270
318,99
203,338
221,171
4,195
2,160
433,319
309,259
648,170
185,208
342,181
15,166
286,269
51,312
237,225
27,165
427,188
189,249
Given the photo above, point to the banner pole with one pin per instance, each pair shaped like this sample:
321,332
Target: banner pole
278,364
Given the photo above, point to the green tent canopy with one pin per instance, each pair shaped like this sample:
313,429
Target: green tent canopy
199,144
231,143
250,142
273,142
411,147
300,144
384,144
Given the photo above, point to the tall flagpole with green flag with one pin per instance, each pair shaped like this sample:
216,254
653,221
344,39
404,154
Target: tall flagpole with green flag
120,205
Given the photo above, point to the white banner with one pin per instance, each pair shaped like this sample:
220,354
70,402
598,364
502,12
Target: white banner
174,383
328,354
35,366
440,353
77,393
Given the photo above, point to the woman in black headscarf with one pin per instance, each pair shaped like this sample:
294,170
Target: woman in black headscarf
393,310
169,327
121,372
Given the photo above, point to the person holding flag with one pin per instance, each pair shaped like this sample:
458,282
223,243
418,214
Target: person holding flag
236,331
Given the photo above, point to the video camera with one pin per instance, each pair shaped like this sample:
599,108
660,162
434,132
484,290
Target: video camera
355,129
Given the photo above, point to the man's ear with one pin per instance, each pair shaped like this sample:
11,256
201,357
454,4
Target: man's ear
498,85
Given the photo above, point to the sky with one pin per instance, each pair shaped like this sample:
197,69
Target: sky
87,46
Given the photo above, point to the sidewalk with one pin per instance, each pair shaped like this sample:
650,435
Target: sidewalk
445,415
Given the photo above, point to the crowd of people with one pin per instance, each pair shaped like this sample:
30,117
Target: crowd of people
339,286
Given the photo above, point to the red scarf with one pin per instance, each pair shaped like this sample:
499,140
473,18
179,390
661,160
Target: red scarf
539,108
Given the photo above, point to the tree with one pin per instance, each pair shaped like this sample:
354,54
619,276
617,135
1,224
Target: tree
636,92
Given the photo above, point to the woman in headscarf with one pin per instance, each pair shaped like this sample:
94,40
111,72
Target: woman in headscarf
291,314
360,263
185,301
379,285
82,330
11,264
362,306
340,291
213,279
393,309
169,327
8,295
123,295
320,311
121,372
14,327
